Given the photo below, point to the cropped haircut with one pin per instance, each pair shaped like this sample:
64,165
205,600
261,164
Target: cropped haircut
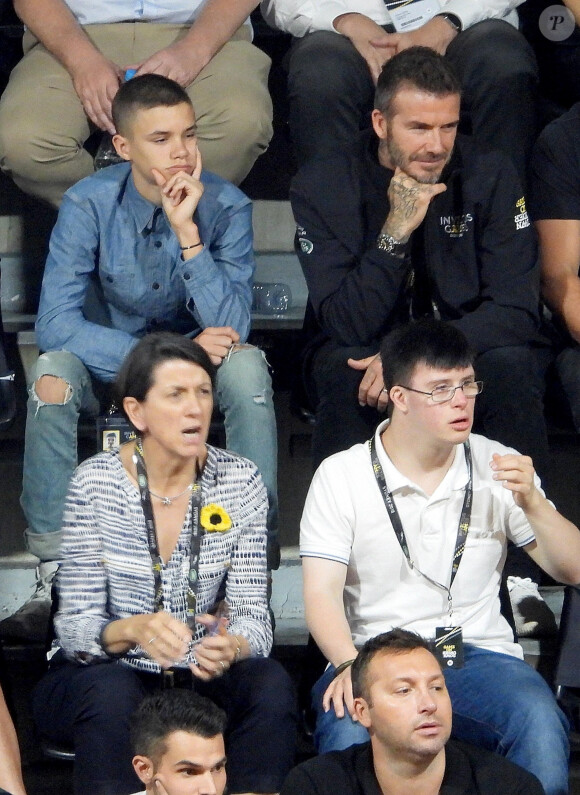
167,711
143,93
397,641
415,67
432,342
135,377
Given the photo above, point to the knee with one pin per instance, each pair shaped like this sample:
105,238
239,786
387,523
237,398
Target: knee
272,687
16,136
510,364
332,374
56,377
112,695
322,64
250,115
246,372
497,48
53,390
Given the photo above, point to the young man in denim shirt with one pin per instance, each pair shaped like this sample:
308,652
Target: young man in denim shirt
153,244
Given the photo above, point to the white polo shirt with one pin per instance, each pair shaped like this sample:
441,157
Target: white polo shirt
345,519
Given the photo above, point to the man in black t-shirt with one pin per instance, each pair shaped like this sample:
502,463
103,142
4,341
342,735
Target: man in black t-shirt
401,698
555,209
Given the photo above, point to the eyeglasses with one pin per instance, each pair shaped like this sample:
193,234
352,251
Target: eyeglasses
442,394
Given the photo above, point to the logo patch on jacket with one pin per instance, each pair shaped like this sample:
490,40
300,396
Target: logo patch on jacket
456,225
522,219
305,245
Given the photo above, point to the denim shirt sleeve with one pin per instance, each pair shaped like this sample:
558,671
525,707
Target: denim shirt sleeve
61,324
218,281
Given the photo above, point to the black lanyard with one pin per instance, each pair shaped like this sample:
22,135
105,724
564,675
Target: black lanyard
195,545
464,519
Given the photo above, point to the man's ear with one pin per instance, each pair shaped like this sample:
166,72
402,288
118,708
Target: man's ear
133,411
144,768
122,146
380,124
361,710
398,398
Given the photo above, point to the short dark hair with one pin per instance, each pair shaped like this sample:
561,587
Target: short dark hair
143,93
417,67
135,377
397,641
167,711
432,342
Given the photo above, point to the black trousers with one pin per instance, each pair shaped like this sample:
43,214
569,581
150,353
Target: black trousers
90,707
331,91
510,409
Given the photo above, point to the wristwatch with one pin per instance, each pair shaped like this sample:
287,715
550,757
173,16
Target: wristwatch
453,20
388,243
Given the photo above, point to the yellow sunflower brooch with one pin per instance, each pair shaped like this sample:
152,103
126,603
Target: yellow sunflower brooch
215,519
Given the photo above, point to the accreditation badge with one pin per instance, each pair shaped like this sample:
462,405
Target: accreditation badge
411,14
449,647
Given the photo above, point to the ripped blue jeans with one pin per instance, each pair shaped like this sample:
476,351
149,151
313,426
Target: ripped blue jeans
244,396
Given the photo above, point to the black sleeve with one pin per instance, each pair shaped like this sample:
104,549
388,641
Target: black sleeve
509,276
555,170
353,287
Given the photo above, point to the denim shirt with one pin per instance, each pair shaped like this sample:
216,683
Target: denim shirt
114,271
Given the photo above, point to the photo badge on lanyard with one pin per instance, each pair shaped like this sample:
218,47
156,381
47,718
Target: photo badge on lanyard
449,647
113,430
411,14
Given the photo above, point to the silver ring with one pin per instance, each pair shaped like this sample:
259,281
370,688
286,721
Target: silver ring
223,665
152,639
384,389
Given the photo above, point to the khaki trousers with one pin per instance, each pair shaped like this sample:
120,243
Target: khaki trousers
43,126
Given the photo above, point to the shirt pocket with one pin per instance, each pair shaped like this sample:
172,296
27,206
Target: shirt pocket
122,287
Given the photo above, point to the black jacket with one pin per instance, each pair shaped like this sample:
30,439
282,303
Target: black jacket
479,247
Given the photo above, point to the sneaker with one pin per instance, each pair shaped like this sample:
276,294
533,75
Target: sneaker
31,621
532,615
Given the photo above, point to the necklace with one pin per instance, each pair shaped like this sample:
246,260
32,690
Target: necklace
169,500
164,500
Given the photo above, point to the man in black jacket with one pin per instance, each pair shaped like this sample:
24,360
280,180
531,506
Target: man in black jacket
414,221
401,698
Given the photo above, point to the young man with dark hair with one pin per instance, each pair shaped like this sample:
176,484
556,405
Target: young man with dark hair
152,244
400,697
178,741
411,530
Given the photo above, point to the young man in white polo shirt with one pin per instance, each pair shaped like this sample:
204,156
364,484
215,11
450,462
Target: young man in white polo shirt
411,530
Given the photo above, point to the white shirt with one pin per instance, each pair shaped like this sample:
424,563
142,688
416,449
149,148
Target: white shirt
300,17
345,520
98,12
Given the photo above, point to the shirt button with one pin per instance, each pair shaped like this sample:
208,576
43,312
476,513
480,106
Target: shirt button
158,244
109,279
186,276
155,285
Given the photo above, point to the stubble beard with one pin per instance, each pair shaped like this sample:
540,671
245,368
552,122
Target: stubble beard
398,158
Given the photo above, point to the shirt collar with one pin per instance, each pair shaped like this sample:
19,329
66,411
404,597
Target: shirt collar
456,476
142,210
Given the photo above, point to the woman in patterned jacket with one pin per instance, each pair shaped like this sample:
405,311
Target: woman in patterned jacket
154,535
